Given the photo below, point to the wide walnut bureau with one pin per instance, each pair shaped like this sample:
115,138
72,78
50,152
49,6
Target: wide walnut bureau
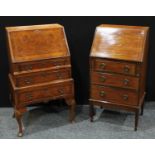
118,68
40,68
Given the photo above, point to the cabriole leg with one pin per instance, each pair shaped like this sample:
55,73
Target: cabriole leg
18,116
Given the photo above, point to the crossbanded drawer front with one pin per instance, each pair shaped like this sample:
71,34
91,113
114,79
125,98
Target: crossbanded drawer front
43,76
114,66
28,66
41,93
114,95
115,80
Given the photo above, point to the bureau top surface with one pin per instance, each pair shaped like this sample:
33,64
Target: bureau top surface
37,42
119,42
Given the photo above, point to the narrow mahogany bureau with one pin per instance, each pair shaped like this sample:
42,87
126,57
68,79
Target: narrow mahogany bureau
118,68
40,68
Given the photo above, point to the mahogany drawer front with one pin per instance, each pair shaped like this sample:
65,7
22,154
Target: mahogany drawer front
114,95
41,93
114,66
115,80
43,76
28,66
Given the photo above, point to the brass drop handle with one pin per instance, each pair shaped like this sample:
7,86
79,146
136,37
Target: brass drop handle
126,81
125,97
45,91
102,93
55,63
29,96
102,65
61,91
27,81
28,67
126,69
103,78
44,74
58,75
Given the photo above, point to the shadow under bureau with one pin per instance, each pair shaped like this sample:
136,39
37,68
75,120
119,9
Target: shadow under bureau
118,68
40,68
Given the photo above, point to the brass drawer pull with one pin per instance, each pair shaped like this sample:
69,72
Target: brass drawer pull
45,91
43,64
61,91
58,63
44,74
125,97
28,81
55,63
102,65
126,69
59,75
126,81
29,96
102,93
102,79
28,68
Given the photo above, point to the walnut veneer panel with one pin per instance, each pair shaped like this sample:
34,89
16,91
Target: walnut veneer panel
119,42
35,43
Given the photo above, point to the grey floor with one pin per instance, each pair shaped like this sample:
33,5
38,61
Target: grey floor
45,123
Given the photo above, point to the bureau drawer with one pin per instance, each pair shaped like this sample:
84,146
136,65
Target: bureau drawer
115,80
28,66
114,95
42,76
114,66
48,91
